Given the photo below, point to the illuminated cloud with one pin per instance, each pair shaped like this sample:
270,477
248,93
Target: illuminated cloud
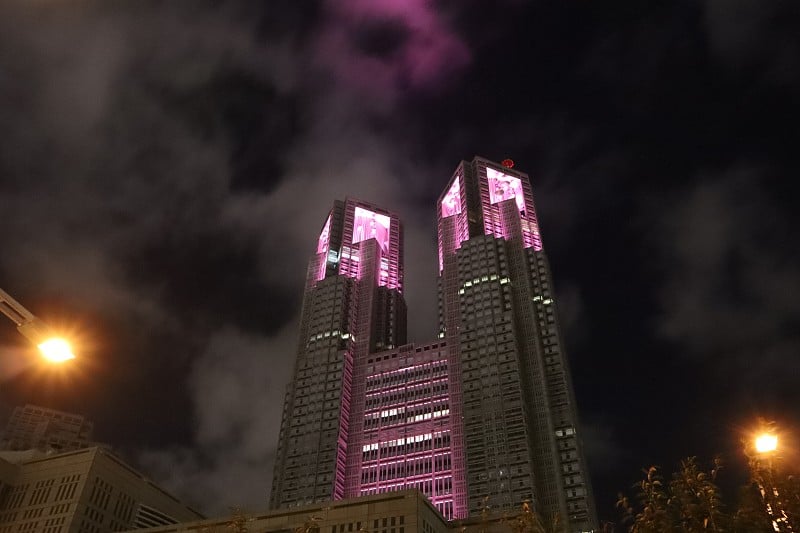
381,47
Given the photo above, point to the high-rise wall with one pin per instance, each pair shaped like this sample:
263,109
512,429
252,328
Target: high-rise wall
407,436
33,426
353,306
498,314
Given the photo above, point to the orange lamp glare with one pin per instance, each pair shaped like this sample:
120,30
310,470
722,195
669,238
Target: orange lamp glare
766,443
56,350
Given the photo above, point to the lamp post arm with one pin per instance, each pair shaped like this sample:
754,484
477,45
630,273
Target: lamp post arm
53,348
14,310
27,323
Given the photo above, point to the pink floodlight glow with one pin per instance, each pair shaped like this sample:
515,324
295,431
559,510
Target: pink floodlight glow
503,187
322,248
451,204
371,225
324,237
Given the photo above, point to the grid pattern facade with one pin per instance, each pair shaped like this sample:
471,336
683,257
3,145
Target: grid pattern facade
498,315
407,440
84,491
315,412
33,426
353,307
397,512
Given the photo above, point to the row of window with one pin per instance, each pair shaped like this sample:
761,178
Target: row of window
409,468
408,415
407,376
409,446
406,394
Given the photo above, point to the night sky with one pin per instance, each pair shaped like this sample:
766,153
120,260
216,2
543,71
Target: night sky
165,168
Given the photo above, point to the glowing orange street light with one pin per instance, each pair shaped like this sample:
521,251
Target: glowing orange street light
765,472
53,348
56,350
766,443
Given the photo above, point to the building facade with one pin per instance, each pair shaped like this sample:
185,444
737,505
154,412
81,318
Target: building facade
395,512
33,426
353,306
497,312
484,418
84,491
407,437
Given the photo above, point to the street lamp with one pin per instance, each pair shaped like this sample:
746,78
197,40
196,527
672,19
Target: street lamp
766,443
53,348
763,470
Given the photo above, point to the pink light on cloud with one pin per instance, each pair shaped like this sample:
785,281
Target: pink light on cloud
424,55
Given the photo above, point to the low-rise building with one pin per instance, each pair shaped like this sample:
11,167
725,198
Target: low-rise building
407,511
83,491
33,426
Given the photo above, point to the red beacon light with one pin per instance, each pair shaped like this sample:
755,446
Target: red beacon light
508,163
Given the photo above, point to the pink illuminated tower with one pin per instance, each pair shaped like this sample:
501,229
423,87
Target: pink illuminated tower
483,417
353,306
511,384
365,413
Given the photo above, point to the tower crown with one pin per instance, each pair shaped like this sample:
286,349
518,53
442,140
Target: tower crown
349,225
478,200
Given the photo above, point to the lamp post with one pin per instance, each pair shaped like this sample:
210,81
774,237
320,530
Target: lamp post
763,470
52,347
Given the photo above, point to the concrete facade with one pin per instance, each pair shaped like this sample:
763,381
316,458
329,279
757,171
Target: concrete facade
83,491
407,511
33,426
521,438
395,512
353,307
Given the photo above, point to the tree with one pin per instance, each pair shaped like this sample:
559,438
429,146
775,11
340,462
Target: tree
236,524
691,502
529,521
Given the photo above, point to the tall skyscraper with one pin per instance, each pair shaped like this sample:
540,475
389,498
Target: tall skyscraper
485,416
497,312
353,306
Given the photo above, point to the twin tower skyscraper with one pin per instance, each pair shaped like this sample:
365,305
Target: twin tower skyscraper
483,417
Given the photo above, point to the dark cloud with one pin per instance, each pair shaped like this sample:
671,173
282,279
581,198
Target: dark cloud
756,36
730,275
166,168
382,39
237,396
571,313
